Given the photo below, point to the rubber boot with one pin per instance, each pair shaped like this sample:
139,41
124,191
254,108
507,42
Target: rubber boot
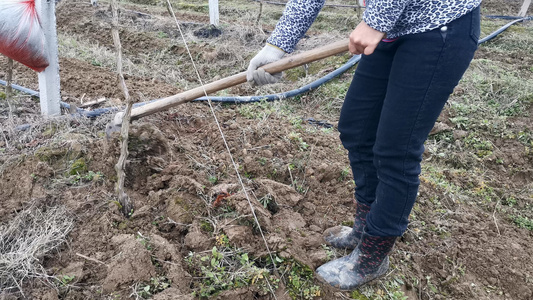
344,237
368,261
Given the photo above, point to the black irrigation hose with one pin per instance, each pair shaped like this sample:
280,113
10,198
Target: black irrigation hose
507,17
502,29
241,100
21,89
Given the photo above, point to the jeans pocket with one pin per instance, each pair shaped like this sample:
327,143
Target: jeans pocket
475,30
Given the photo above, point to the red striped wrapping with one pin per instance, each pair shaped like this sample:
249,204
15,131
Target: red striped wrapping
21,34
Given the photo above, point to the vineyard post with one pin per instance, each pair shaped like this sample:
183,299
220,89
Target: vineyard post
525,7
213,12
49,79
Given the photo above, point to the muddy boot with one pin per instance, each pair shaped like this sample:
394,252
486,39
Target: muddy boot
344,237
368,261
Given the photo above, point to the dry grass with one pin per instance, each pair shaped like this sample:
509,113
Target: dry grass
26,240
24,131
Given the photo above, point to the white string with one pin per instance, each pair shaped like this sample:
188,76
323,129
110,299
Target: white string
225,144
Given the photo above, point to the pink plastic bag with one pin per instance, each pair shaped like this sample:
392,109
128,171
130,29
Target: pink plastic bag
21,34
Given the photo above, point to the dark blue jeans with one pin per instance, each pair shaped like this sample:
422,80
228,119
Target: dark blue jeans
396,96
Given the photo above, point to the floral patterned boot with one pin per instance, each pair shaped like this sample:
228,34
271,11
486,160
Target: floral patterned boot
368,261
344,237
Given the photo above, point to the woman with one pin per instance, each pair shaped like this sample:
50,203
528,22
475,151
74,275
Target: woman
414,52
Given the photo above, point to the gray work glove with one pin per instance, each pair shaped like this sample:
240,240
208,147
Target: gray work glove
257,75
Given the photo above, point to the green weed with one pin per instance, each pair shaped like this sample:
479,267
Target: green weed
510,201
66,279
206,226
224,269
523,222
330,254
299,280
486,193
296,139
162,35
213,179
145,241
262,161
484,147
156,285
90,176
345,173
265,200
391,291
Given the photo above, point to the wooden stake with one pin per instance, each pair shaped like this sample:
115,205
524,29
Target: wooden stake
260,12
213,12
525,7
9,89
49,89
123,198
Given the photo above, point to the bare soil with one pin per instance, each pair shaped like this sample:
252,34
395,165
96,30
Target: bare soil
178,165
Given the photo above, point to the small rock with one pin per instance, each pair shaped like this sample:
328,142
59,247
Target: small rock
524,292
283,194
492,281
171,294
289,219
459,134
46,295
439,127
267,154
74,270
309,207
141,212
314,240
317,258
238,234
284,254
42,169
315,228
236,294
197,241
132,262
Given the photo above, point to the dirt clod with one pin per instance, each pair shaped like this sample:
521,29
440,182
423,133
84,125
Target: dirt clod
132,262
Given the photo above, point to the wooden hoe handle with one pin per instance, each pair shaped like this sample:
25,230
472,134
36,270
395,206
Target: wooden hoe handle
275,67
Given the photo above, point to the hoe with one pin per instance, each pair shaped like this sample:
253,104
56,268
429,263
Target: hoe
190,95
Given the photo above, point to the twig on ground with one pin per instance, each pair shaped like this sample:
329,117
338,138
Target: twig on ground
91,103
170,221
91,259
135,287
494,217
292,180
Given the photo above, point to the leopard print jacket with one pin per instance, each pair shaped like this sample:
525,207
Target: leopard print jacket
394,17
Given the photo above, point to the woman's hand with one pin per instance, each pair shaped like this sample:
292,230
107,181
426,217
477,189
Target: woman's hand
257,75
364,39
